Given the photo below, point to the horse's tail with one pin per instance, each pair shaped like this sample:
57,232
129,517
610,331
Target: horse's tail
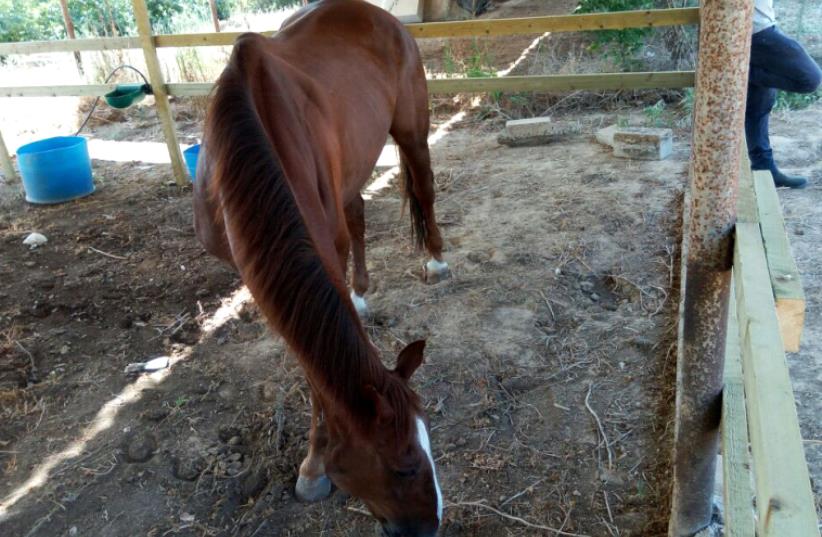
419,231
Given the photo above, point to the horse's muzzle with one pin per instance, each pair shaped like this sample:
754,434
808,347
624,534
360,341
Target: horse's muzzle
390,530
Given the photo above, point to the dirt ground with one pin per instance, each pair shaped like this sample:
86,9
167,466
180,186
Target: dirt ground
561,300
560,316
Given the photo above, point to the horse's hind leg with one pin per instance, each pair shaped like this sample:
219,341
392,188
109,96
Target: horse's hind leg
410,134
312,484
355,219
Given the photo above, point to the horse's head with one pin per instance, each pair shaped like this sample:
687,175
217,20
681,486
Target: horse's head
392,468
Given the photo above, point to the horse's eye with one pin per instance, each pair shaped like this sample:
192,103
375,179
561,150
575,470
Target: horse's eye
406,473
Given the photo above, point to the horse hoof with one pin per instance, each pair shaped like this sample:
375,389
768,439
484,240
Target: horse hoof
312,490
436,271
360,305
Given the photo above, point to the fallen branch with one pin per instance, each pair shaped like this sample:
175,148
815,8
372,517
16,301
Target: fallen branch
600,427
516,518
95,250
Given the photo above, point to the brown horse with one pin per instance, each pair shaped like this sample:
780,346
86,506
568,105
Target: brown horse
295,126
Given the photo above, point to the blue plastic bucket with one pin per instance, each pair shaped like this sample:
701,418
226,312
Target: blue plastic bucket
190,155
55,170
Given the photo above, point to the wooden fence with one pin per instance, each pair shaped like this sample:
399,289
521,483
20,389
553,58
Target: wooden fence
766,484
519,26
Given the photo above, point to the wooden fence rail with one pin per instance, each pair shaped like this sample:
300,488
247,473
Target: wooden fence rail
562,23
558,83
760,429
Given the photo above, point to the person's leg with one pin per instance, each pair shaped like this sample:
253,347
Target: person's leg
758,109
777,61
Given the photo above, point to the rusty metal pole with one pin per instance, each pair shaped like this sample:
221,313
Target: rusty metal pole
719,114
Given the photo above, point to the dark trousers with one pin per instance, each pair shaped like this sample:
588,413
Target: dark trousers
777,62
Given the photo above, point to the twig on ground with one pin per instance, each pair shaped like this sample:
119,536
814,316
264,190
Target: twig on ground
112,256
515,518
600,427
526,490
608,506
30,355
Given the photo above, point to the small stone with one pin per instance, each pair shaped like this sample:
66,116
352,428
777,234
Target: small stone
73,531
595,297
156,414
586,286
234,457
141,448
188,469
234,440
35,240
227,433
201,293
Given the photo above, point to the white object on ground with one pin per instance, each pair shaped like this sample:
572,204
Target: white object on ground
154,364
34,240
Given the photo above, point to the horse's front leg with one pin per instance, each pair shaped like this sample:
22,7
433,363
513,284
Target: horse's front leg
312,484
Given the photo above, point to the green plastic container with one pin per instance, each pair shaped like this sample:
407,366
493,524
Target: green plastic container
125,95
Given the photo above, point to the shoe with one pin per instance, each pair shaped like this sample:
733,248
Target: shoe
782,180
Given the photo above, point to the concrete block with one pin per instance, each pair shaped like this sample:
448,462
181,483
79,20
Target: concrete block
536,131
407,11
606,136
643,143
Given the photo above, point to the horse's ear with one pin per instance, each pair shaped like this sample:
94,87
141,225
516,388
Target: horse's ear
410,359
382,410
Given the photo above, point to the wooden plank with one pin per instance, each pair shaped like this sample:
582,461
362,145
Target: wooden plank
210,39
557,83
5,161
736,461
746,210
527,25
784,499
560,83
97,43
616,20
190,89
57,91
785,278
160,94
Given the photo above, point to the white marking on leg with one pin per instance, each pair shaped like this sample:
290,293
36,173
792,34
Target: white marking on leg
359,304
436,267
425,444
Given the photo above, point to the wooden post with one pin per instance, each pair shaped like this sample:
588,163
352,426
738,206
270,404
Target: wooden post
5,160
214,17
70,32
719,112
155,75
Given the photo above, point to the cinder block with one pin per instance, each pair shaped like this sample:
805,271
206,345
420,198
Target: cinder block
606,136
643,143
535,131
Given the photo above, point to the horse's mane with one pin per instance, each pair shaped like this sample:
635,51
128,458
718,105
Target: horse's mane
301,294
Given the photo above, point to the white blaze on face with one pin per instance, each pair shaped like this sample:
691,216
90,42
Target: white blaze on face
425,444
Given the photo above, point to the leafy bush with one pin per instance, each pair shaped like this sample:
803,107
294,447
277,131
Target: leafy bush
31,20
621,45
796,101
